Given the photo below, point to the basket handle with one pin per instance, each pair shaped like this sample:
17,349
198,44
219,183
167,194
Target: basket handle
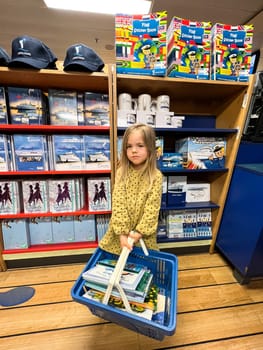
116,275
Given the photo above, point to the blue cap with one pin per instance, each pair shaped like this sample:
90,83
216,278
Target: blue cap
80,57
28,52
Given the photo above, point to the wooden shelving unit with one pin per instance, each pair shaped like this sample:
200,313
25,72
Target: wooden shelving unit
55,79
227,101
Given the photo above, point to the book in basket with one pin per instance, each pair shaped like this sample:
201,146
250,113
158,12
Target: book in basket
101,274
137,295
143,310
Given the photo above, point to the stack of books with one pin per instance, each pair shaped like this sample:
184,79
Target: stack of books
136,281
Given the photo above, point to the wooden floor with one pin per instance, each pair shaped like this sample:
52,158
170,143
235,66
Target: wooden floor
214,312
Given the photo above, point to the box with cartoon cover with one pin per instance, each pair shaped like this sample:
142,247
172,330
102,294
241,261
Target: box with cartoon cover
140,43
202,152
188,48
231,52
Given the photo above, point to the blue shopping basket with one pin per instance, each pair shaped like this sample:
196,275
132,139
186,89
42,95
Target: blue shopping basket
164,267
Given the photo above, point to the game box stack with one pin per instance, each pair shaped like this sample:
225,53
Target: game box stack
141,44
188,49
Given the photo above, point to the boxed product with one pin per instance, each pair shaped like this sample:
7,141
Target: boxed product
99,194
231,51
63,229
5,161
204,223
68,152
176,190
35,196
63,107
9,197
97,152
29,152
190,223
175,221
62,195
97,109
3,109
40,231
26,106
140,43
188,48
172,160
15,234
197,192
84,228
202,152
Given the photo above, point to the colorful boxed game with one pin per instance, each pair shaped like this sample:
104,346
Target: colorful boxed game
202,152
231,52
140,42
188,49
26,106
97,109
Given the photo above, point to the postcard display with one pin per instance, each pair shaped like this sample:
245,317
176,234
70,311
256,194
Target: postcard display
141,44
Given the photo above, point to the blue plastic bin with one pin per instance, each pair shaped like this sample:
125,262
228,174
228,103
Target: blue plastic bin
164,267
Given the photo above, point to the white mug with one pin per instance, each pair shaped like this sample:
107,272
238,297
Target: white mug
163,103
144,102
126,102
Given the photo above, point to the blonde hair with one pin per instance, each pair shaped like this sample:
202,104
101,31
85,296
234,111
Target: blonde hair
149,138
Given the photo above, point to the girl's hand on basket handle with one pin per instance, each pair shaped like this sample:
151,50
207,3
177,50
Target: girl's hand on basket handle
124,242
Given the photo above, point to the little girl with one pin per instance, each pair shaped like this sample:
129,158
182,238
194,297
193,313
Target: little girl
136,194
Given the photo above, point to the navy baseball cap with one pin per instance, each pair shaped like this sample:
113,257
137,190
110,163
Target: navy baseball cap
29,52
4,58
80,57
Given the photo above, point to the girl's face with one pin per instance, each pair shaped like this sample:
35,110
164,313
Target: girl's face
137,152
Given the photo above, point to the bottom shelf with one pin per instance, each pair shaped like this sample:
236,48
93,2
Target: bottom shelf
50,250
82,248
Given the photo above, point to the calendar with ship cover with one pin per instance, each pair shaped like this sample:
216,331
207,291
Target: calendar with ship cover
27,106
30,152
99,194
63,107
35,196
5,162
68,152
97,109
97,152
3,107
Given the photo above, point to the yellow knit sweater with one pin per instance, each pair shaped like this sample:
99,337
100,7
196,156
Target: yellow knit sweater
133,208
